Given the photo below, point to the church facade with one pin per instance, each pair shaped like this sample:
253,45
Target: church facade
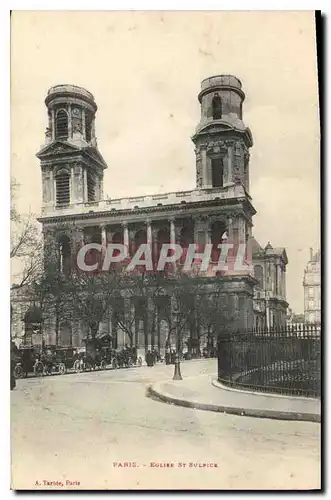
219,209
312,288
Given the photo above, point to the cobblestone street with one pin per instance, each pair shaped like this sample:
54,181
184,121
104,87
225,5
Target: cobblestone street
82,427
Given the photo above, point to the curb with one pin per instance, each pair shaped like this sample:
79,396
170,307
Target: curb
233,410
219,385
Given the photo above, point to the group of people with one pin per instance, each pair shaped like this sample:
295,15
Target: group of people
170,355
126,356
152,356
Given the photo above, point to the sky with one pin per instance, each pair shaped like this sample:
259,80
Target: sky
145,71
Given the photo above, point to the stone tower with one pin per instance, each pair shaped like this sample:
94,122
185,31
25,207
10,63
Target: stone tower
221,139
72,166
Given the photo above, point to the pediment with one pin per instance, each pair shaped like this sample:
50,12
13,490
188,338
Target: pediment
56,148
96,156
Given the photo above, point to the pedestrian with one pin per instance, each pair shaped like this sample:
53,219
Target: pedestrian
149,358
167,355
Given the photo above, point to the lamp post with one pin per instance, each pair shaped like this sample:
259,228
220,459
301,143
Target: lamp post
177,374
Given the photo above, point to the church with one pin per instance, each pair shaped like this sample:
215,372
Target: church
219,209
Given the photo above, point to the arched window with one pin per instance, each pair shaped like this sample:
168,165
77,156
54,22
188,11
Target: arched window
217,172
258,275
62,181
90,187
217,107
61,127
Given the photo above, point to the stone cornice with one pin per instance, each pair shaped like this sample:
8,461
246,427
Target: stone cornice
219,88
222,207
210,130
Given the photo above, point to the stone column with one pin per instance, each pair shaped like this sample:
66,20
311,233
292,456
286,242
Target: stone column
69,122
149,233
126,237
173,238
53,124
85,186
150,323
209,171
204,167
52,192
279,280
202,232
83,124
71,187
127,321
229,179
267,313
242,230
230,231
155,245
93,129
103,236
249,244
284,282
172,231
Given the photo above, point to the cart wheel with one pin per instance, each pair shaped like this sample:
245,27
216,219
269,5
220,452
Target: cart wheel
38,369
18,371
77,366
114,363
103,365
62,368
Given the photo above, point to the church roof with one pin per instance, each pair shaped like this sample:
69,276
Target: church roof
268,247
256,247
258,250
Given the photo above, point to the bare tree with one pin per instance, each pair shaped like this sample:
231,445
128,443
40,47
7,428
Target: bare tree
142,289
215,313
185,291
26,243
90,295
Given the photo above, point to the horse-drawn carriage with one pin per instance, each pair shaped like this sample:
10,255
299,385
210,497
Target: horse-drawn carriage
126,357
43,361
100,357
28,360
95,355
58,359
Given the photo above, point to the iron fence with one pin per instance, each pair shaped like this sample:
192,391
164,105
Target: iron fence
284,360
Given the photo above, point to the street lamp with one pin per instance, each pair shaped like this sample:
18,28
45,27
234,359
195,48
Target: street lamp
177,374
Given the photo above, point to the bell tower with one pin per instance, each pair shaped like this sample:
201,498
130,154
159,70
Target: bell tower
221,139
71,164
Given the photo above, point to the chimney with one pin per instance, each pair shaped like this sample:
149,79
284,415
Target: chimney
311,254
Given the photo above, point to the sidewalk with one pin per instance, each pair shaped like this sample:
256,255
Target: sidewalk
203,392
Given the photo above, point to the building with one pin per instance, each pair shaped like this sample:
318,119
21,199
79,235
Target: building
219,208
312,288
270,304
